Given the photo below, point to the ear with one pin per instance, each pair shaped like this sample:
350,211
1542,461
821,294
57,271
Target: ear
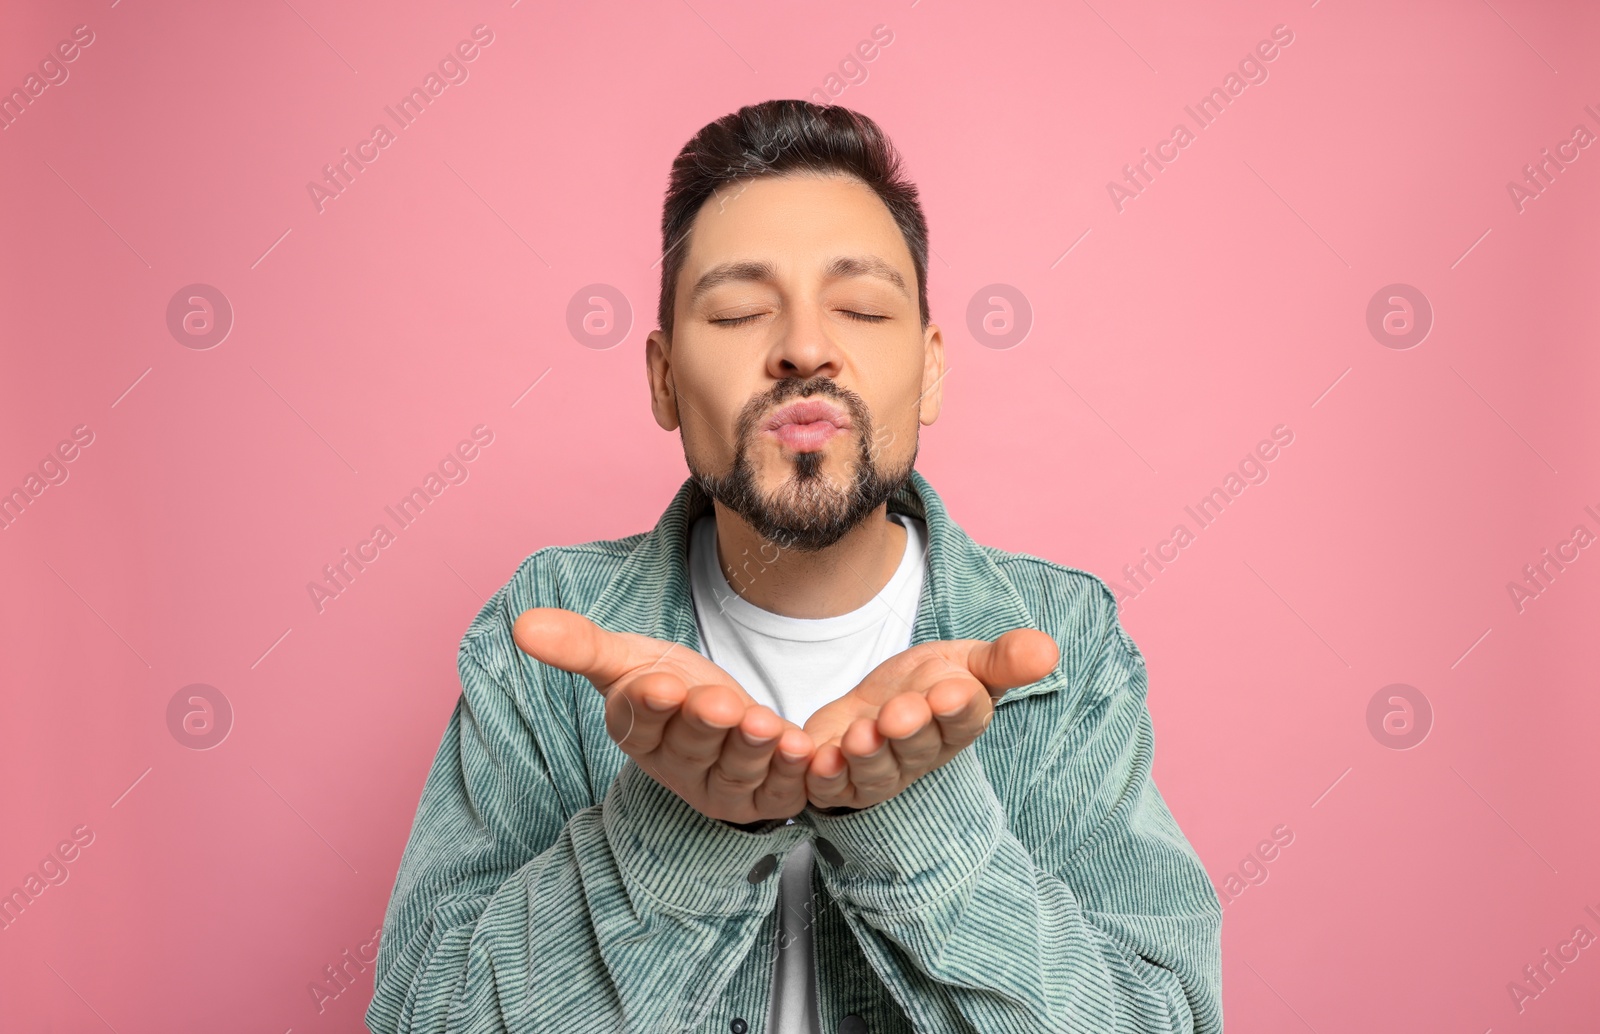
933,371
658,368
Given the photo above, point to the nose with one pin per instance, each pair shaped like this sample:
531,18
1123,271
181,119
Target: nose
805,348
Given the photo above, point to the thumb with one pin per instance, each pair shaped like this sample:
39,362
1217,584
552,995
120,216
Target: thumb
569,641
1016,658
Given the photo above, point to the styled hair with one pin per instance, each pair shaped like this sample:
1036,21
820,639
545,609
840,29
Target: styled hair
777,137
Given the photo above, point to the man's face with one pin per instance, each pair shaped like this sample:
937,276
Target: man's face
798,370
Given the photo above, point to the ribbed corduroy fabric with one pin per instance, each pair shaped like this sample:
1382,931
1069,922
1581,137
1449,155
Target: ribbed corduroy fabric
1036,882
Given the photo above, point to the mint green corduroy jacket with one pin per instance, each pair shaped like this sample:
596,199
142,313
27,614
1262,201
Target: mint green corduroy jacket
1034,883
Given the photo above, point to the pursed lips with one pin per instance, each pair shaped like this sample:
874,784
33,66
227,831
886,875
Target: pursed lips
808,424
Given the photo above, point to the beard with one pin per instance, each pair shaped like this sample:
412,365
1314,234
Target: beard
807,512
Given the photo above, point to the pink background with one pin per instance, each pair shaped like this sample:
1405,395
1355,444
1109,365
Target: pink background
1165,341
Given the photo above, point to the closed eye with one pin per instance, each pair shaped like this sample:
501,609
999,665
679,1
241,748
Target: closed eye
861,317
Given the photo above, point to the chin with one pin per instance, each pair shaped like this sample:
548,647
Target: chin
824,469
803,500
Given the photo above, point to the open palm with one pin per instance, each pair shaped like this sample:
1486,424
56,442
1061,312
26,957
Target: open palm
914,712
683,719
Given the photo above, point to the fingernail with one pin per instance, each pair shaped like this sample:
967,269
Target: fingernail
658,705
755,741
791,758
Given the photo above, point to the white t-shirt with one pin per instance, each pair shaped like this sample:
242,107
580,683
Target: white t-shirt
795,666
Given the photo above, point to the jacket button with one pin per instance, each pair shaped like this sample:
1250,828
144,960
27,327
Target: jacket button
826,849
852,1024
763,868
738,1026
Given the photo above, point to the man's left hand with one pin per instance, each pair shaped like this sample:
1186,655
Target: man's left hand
914,712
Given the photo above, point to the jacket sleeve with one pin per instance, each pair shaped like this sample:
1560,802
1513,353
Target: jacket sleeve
1089,912
513,912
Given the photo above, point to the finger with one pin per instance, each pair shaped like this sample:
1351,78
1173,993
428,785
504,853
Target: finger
828,777
914,736
880,764
858,770
571,642
694,737
746,752
961,708
1018,657
637,712
784,792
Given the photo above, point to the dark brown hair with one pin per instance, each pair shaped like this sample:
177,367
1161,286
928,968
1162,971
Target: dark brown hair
777,137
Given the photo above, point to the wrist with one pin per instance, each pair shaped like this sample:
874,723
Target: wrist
905,852
683,857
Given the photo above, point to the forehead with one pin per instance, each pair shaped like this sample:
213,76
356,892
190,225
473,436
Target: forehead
796,223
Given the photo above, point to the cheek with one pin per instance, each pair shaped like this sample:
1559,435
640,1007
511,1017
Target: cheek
705,428
709,400
905,408
894,429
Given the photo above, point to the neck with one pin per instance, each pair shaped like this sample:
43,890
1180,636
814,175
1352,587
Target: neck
824,584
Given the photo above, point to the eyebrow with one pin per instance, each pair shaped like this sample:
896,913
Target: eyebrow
763,272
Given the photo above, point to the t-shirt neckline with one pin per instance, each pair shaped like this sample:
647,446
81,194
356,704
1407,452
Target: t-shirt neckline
778,626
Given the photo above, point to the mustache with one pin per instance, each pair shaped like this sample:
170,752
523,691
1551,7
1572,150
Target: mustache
808,512
793,388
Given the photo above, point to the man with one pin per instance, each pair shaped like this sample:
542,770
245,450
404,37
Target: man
846,770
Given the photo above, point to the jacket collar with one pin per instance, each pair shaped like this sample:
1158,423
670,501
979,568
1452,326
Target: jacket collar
964,596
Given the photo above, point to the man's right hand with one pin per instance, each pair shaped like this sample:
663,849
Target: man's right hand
683,719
